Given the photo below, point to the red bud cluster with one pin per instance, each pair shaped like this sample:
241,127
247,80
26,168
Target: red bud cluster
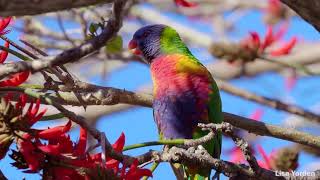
275,12
253,46
254,42
185,3
59,154
16,79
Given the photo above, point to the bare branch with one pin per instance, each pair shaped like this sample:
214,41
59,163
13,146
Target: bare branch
121,96
2,176
308,10
274,103
227,129
74,54
264,129
201,158
22,7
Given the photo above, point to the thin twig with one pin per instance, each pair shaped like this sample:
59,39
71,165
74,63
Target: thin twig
2,176
116,96
227,129
74,54
274,103
66,36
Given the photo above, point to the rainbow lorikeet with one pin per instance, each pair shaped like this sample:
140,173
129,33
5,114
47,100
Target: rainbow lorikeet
185,93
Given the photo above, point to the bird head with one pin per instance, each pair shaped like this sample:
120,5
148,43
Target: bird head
153,41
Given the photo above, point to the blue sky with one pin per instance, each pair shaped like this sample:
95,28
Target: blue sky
138,125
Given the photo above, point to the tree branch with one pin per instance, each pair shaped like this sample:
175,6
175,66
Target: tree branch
2,176
113,26
247,124
274,103
264,129
203,160
227,129
22,7
307,9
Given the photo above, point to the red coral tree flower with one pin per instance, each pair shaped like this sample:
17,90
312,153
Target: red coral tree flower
291,80
185,3
4,54
3,25
15,80
18,78
60,146
266,159
254,42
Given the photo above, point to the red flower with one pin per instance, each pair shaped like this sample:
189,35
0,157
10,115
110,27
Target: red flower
285,49
33,114
80,147
255,39
60,146
185,3
29,120
274,7
119,144
28,150
118,147
135,173
254,42
18,78
291,80
236,155
15,80
257,114
54,133
266,163
3,24
4,54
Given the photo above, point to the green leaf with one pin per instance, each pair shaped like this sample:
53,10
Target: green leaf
93,28
114,45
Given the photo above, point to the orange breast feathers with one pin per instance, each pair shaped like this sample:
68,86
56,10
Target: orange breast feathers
179,74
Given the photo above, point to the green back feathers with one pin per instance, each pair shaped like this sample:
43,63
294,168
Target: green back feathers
171,43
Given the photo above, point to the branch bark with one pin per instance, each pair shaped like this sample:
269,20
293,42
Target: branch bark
22,7
113,26
247,124
203,159
307,9
274,103
2,176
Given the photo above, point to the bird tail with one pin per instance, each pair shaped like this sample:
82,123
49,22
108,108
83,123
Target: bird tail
178,171
183,172
215,149
200,177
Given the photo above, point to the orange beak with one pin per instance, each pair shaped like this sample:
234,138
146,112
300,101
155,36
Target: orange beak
133,46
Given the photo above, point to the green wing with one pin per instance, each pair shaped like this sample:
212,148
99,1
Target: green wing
215,116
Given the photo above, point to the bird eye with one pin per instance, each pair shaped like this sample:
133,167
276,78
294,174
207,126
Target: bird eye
145,34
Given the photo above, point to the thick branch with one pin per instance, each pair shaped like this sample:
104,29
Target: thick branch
247,124
307,9
203,159
274,103
227,129
74,54
264,129
22,7
2,176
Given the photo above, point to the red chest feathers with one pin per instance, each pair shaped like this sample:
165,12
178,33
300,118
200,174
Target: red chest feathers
168,81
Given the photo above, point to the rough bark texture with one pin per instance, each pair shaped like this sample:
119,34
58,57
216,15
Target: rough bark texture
32,7
307,9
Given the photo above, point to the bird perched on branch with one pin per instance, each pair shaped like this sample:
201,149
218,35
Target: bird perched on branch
185,93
